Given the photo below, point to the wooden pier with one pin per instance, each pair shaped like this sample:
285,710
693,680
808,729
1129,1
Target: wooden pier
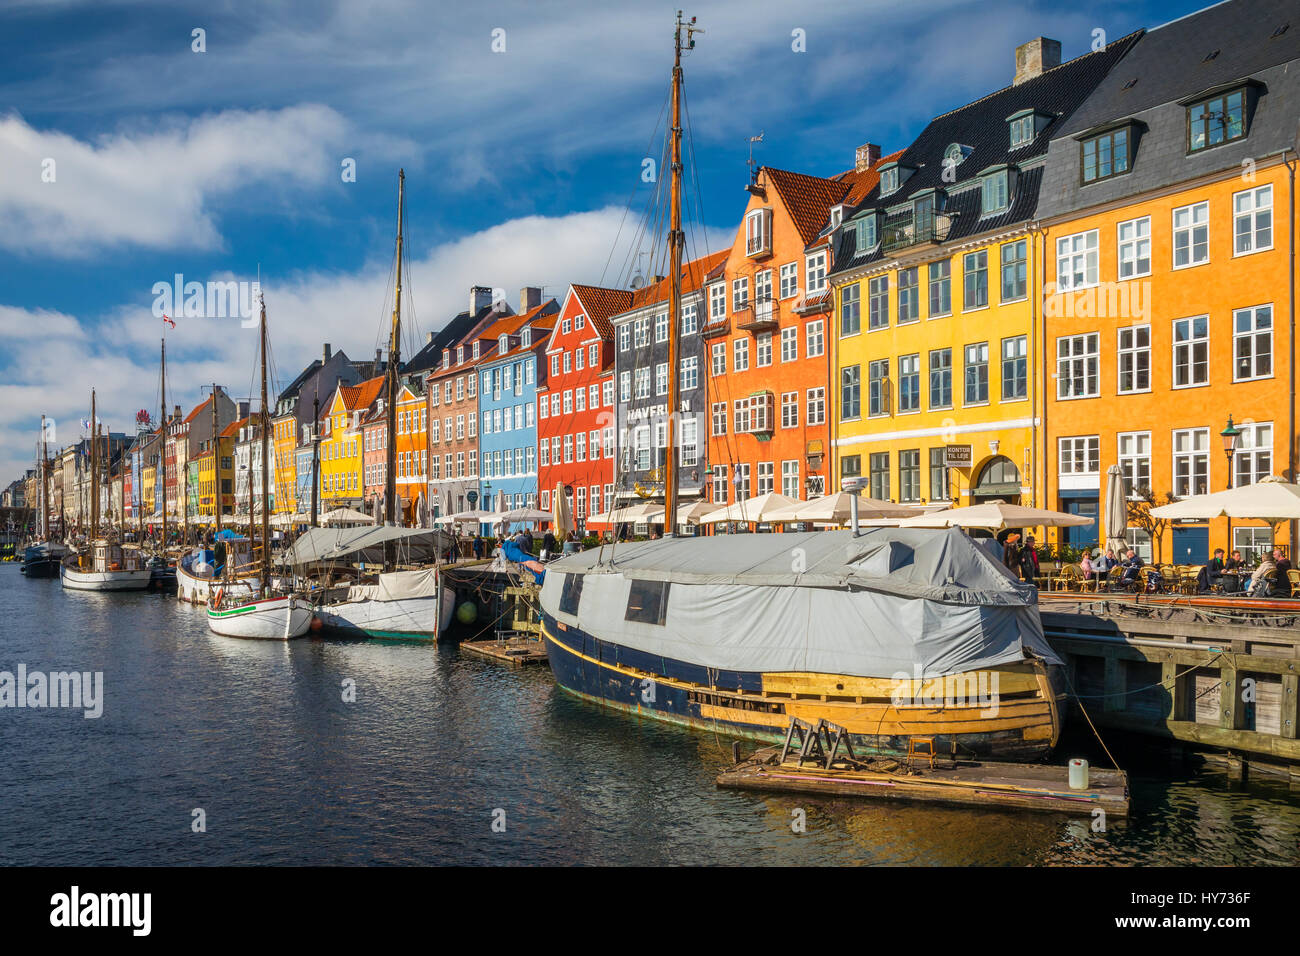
510,649
1219,674
957,783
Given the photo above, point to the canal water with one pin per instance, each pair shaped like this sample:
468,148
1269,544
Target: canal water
438,746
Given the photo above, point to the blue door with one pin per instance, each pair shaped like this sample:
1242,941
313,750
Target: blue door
1084,535
1191,545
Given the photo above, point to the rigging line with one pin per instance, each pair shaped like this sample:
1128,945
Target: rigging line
628,205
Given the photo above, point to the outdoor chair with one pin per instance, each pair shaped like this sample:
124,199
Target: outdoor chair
1293,576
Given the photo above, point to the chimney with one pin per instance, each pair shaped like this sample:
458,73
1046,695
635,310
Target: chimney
867,156
480,297
327,353
1034,57
530,297
176,412
243,410
379,353
428,338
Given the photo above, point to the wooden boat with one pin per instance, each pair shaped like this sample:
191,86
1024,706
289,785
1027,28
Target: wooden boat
402,605
196,577
278,618
42,560
107,567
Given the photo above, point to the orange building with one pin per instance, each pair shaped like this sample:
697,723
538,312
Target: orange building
1168,308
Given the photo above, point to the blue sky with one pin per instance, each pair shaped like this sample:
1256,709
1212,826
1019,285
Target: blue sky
519,163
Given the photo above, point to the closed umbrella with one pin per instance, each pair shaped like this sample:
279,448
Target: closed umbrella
1116,510
375,508
561,517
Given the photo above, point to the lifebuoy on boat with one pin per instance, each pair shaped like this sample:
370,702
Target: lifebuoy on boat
216,597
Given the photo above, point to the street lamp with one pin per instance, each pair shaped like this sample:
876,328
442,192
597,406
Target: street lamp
1230,436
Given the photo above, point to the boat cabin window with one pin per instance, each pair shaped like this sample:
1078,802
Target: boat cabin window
571,593
647,602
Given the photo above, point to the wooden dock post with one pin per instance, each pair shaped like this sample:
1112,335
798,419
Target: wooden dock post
1113,682
1290,694
1230,709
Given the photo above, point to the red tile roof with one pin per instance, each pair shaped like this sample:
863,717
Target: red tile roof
693,276
865,181
231,430
807,199
600,304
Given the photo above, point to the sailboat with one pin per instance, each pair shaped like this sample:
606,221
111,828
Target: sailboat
893,634
106,566
260,614
42,558
408,604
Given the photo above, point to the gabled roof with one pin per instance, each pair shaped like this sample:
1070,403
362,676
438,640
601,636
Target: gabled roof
543,325
600,305
367,392
197,408
232,430
298,382
807,198
694,275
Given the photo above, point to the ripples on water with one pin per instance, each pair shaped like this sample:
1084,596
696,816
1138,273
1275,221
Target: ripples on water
258,735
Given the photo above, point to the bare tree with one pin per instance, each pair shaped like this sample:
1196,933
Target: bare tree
1140,504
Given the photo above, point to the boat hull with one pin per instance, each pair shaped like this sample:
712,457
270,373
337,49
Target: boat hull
1021,723
194,589
126,580
407,619
272,619
41,568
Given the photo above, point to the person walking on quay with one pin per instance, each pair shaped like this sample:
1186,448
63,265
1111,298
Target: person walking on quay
1011,554
1029,561
549,544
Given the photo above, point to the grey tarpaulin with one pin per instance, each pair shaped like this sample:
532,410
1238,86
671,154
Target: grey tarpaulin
925,602
366,543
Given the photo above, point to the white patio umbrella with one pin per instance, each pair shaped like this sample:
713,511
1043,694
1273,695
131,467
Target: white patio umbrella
465,517
1272,499
345,516
759,508
995,516
837,508
526,515
689,513
1116,510
628,514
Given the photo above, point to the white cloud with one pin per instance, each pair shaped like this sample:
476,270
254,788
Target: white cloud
52,360
152,187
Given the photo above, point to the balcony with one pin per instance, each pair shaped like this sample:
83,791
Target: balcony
761,315
925,230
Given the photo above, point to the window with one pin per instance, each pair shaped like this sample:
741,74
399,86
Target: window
624,387
941,378
740,355
1191,235
1014,263
1191,351
1135,461
1080,455
878,302
719,353
719,484
647,602
593,444
1252,341
976,269
690,321
719,418
1218,120
851,466
1076,261
580,447
642,379
763,350
661,327
568,401
568,449
908,296
814,338
789,409
607,439
568,362
642,328
1105,155
995,192
717,302
1191,462
758,232
661,378
1135,359
909,475
789,280
607,391
690,372
909,383
977,374
741,482
1015,368
555,369
816,269
1253,457
789,344
850,392
850,309
817,406
1252,220
1022,129
739,294
593,395
566,327
578,362
790,478
878,387
766,478
938,475
689,443
888,180
740,409
878,463
1077,358
1135,248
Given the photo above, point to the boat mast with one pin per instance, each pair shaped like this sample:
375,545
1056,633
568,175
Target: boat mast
394,346
45,485
216,460
315,453
676,239
94,471
266,517
162,448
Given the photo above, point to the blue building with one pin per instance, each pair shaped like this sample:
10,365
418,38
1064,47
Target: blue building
507,411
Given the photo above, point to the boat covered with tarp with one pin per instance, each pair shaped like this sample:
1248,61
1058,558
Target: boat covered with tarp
892,633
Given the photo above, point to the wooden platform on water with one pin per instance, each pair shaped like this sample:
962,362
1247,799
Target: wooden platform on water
511,650
961,783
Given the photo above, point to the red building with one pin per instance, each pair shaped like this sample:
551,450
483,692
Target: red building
577,408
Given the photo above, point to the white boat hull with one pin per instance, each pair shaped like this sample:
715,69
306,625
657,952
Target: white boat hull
133,580
197,590
381,612
271,619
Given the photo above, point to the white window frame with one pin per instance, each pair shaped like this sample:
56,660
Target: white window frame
1188,345
1193,211
1129,249
1253,335
1260,203
1132,352
1079,247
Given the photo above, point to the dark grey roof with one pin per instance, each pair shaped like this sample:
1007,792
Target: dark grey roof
430,356
982,127
1169,65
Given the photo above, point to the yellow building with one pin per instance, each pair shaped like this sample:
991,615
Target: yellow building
936,278
341,443
284,440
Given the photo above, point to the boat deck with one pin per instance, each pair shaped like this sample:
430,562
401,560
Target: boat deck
961,783
511,649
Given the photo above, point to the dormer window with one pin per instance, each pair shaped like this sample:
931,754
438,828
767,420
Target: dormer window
446,358
1023,128
460,354
1106,154
868,232
955,154
889,179
1217,120
503,344
526,337
995,190
758,232
837,216
476,352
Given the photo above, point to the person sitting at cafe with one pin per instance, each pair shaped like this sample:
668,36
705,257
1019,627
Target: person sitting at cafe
1085,565
1282,580
1234,562
1258,586
1132,568
1211,576
1103,565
